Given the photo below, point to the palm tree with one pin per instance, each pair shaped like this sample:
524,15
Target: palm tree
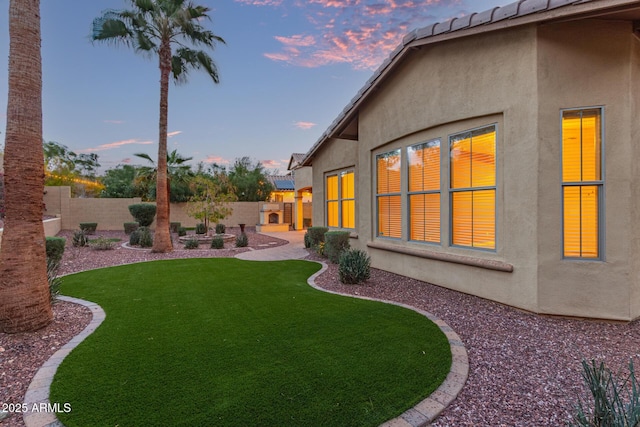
24,289
159,26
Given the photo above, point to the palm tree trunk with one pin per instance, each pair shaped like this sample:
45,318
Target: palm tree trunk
25,303
162,239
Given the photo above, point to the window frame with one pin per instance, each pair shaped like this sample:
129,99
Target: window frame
339,201
398,194
600,184
437,191
472,189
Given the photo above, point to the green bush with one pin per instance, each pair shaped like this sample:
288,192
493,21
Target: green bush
217,243
146,239
242,241
615,401
134,238
335,243
201,228
182,231
55,249
316,235
102,244
88,227
220,228
79,239
191,244
143,213
130,227
174,227
307,240
354,266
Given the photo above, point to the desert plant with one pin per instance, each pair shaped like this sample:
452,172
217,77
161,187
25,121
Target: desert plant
88,227
130,227
242,241
174,227
191,244
615,398
354,266
182,231
79,239
55,249
217,243
54,280
134,237
335,243
220,228
316,235
143,213
102,244
146,239
201,228
319,248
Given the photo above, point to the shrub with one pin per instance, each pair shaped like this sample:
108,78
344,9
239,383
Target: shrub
174,227
54,280
182,231
316,235
143,213
79,239
220,228
191,244
217,243
201,228
88,227
307,240
102,244
615,401
134,238
242,241
354,266
55,249
146,239
335,243
130,227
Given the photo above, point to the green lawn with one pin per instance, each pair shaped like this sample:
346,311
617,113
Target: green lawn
205,342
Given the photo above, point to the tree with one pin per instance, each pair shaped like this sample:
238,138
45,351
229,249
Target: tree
64,167
210,200
178,174
119,182
250,181
25,303
157,27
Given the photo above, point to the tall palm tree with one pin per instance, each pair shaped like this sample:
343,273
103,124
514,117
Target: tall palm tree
24,289
159,26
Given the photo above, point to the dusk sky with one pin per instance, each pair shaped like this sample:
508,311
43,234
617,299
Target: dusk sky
287,70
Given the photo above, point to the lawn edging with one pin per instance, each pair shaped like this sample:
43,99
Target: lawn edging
36,399
428,409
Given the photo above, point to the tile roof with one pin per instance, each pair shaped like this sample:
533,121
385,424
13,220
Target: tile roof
514,14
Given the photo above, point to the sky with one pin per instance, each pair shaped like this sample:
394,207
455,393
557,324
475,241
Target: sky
287,70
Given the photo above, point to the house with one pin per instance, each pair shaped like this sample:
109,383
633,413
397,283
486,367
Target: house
497,154
283,188
303,181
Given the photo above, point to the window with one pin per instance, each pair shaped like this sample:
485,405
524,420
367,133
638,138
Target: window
473,188
388,197
582,182
424,191
341,200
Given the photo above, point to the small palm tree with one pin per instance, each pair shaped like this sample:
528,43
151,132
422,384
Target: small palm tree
159,26
25,303
177,171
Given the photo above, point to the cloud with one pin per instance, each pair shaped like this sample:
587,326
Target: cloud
216,159
126,160
174,133
270,163
361,33
114,122
304,125
112,145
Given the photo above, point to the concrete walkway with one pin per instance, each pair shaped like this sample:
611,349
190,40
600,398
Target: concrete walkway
293,250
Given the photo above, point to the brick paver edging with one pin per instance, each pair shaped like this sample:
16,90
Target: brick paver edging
37,395
428,409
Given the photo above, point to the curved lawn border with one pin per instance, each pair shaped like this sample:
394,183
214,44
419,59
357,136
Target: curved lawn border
420,415
428,409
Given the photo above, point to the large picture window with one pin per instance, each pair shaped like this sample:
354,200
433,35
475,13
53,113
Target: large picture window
341,202
388,194
582,182
473,188
424,191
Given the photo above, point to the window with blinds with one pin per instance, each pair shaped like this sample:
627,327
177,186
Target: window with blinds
424,191
388,194
473,188
582,182
340,200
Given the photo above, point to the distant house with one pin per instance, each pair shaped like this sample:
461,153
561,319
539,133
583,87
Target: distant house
283,188
497,154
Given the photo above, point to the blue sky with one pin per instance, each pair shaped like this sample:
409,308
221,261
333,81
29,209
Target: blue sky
287,70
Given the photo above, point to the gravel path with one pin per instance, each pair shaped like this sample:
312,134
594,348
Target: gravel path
524,369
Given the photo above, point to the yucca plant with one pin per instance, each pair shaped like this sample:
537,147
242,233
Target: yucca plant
354,266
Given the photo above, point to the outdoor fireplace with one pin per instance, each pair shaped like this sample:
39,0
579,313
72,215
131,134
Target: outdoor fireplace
271,218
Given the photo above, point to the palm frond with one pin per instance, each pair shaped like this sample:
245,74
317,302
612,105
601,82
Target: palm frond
186,59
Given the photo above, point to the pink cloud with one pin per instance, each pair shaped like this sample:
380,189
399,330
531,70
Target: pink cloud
270,163
361,33
216,159
112,145
304,125
126,160
171,134
114,122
